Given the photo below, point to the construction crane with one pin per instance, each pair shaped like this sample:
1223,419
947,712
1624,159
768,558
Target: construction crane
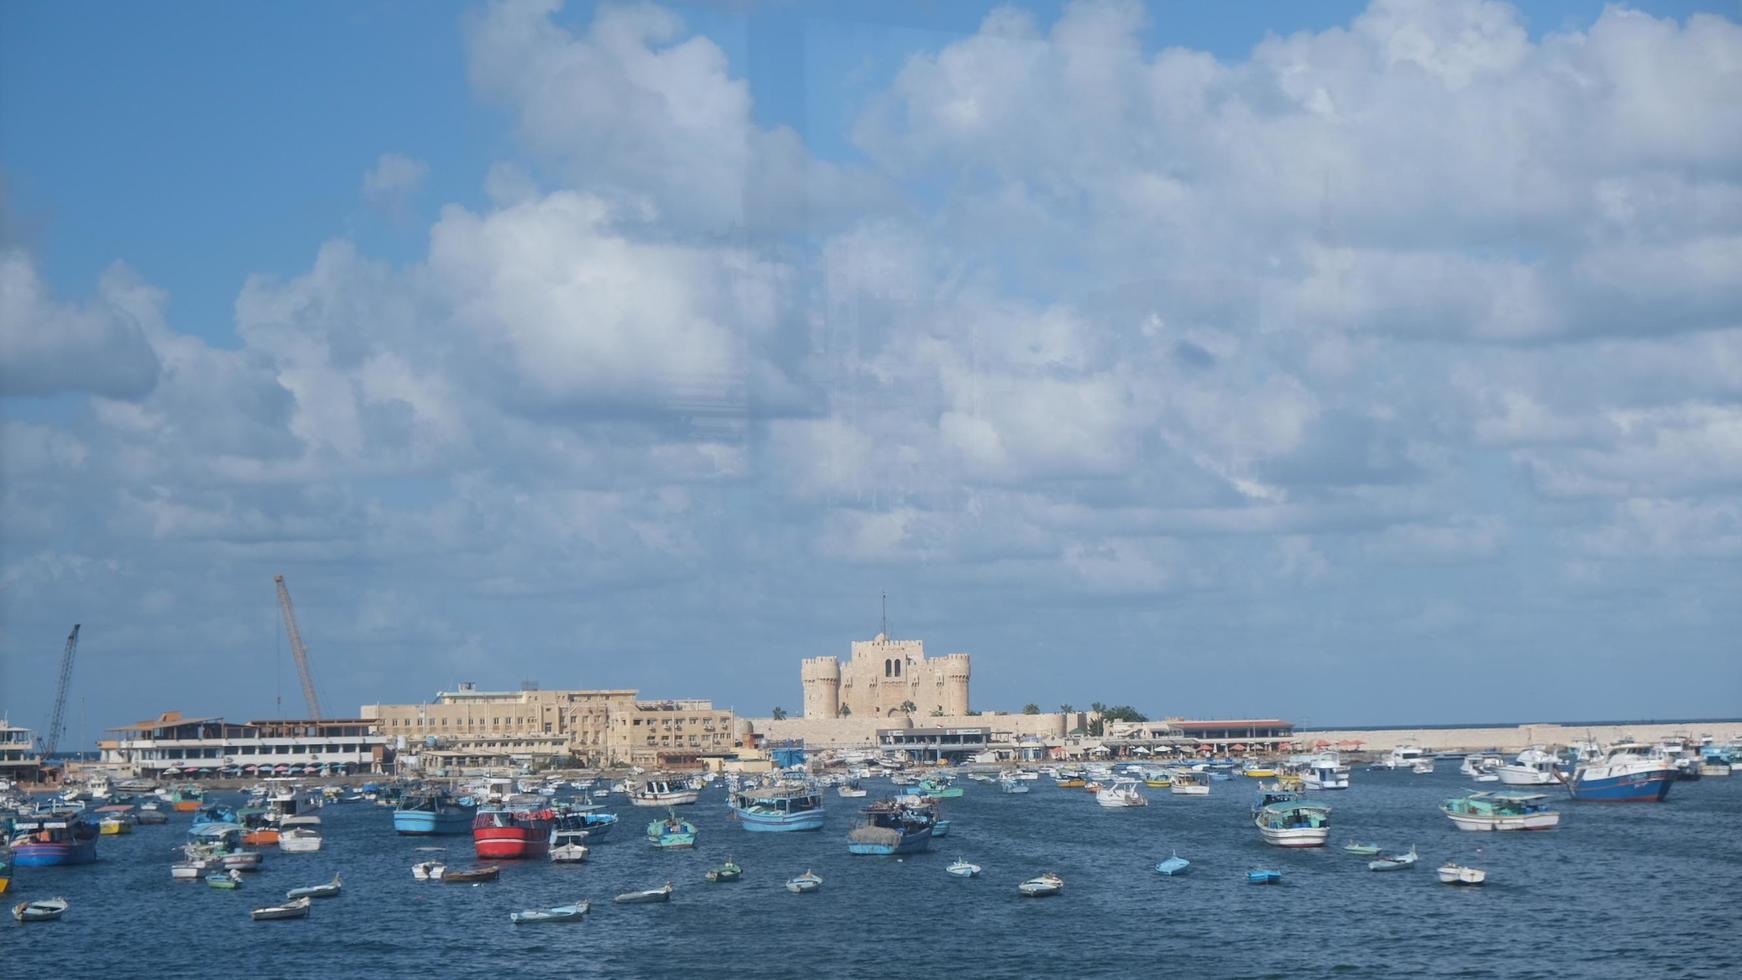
297,650
57,722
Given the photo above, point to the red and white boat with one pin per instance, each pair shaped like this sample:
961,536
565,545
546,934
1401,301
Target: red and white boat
512,832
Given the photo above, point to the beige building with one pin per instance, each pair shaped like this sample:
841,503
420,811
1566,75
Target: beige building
594,728
881,677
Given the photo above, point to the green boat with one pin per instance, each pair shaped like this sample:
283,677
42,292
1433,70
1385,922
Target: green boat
939,790
1364,850
730,871
228,880
671,833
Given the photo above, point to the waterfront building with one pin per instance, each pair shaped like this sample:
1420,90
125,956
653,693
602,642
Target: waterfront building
173,745
469,728
20,761
935,744
883,675
1241,736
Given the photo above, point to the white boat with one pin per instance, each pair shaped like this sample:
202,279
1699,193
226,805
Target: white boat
1394,862
850,791
810,881
1402,757
962,869
328,890
665,792
1123,793
1190,782
1532,767
559,913
41,910
1324,772
660,894
299,840
289,910
1501,811
1423,766
428,870
1294,823
1041,886
566,846
1012,785
1456,874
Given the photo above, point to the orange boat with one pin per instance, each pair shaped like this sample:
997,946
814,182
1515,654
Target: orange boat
187,799
261,836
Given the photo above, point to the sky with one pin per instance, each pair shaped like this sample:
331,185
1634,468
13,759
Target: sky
1349,363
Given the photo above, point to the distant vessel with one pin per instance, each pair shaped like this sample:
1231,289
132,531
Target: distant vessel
1402,757
1325,772
1294,823
512,832
892,828
1394,862
1190,782
661,791
1532,767
805,883
783,806
1456,874
433,813
1629,772
1501,811
1041,886
1123,793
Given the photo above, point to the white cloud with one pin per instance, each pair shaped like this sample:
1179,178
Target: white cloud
49,347
394,181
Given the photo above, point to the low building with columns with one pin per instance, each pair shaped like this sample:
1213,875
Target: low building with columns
883,676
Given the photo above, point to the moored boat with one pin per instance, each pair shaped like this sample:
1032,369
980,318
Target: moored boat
1042,886
1394,862
224,879
660,894
466,876
433,813
1362,850
1123,793
1456,874
962,869
1190,782
566,846
299,840
1501,811
290,910
890,827
428,870
1532,767
810,881
44,842
41,910
782,806
671,833
1294,823
328,890
1629,772
1264,876
730,871
661,791
557,913
1175,865
512,831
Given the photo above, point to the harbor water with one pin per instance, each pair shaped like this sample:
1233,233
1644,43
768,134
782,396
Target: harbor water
1615,891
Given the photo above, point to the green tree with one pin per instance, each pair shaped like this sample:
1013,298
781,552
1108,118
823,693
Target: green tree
1031,708
778,714
1065,709
846,711
907,708
937,712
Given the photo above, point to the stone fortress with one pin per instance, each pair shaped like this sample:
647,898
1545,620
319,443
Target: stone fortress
883,676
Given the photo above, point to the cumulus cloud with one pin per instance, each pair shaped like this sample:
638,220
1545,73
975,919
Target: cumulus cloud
48,347
393,181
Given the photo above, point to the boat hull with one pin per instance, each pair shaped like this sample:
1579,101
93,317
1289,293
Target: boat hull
1649,786
1296,836
779,822
35,854
424,823
1480,822
675,798
909,844
510,843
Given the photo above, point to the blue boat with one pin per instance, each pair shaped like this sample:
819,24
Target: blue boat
434,813
1630,772
1175,865
782,806
940,828
594,823
671,833
891,827
45,842
216,813
1263,876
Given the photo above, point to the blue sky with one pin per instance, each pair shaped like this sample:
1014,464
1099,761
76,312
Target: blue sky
1239,364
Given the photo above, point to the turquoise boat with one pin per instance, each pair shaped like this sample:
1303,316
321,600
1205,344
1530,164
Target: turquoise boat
1264,876
434,813
1175,865
671,833
781,807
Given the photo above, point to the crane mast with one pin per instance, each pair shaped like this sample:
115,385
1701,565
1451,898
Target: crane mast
297,650
57,722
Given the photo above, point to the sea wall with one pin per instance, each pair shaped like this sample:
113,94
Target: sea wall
1517,738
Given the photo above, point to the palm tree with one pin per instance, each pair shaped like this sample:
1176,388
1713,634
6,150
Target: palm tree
778,714
1031,708
1065,709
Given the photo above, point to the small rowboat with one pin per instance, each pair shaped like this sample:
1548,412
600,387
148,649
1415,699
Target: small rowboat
299,840
805,883
1175,865
730,871
1043,886
1364,850
1457,874
224,879
41,910
187,871
289,910
661,894
559,913
471,875
428,870
328,890
1394,862
940,828
962,869
1264,876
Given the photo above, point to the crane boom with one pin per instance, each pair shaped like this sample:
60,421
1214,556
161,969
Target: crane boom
297,650
57,722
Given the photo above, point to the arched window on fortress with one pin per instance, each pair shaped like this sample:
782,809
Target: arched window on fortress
888,670
898,668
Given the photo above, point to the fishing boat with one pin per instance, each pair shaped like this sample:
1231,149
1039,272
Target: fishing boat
730,871
513,831
1190,782
1501,811
429,814
1070,780
1258,771
1394,862
851,791
780,807
299,840
671,833
1629,772
1424,766
1294,823
1157,781
1011,784
1123,793
1175,865
557,913
1456,874
224,879
41,910
467,876
805,883
186,798
1264,876
891,827
327,890
428,870
51,841
940,828
940,789
660,791
1532,767
150,814
962,869
1403,757
1324,772
660,894
1362,850
566,846
289,910
1041,886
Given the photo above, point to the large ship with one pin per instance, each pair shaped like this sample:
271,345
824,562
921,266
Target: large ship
782,806
513,830
1630,772
43,842
434,813
891,827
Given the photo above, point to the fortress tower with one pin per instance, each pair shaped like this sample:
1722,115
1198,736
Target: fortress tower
951,673
822,687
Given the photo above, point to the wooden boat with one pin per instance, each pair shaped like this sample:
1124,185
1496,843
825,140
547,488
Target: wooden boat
464,876
729,871
428,870
940,828
558,913
289,910
805,883
328,890
114,825
850,791
1158,782
1042,886
1394,862
962,869
41,910
1456,874
566,846
261,836
224,879
299,840
1501,811
1175,865
150,813
1364,850
660,894
671,833
1294,823
1264,876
